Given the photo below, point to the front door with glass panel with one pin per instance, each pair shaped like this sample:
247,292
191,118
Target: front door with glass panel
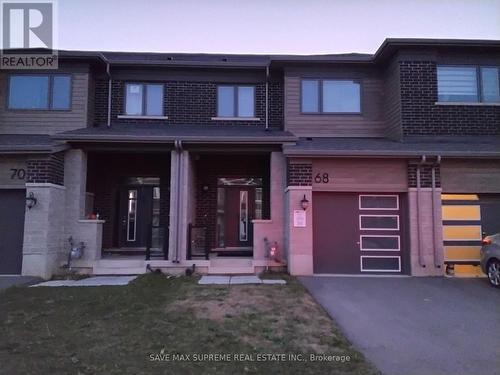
239,201
140,214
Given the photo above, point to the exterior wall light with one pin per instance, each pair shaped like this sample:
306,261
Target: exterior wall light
31,201
304,203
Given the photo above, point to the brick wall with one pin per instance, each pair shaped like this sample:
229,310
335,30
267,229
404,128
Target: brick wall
299,174
189,103
49,169
421,116
425,175
209,168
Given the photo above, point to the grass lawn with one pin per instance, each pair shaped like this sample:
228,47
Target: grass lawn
137,329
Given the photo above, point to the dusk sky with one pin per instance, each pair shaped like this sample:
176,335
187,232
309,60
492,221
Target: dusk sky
268,26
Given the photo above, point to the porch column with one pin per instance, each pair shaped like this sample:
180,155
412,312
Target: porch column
77,226
427,221
44,230
299,233
182,203
273,229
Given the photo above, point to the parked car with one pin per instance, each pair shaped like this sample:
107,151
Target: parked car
490,259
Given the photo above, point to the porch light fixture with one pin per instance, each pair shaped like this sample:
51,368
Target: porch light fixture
31,201
304,203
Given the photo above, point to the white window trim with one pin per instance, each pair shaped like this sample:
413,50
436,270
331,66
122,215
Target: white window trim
396,216
235,118
145,117
379,195
481,104
380,256
379,235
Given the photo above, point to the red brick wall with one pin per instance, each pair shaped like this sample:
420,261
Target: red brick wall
299,174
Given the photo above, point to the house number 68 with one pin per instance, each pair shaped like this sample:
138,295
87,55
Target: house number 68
322,178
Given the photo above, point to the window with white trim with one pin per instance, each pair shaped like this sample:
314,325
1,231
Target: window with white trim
236,101
143,99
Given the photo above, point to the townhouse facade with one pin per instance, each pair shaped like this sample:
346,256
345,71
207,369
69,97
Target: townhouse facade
335,164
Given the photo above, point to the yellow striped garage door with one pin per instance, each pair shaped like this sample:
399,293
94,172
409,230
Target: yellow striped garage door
467,218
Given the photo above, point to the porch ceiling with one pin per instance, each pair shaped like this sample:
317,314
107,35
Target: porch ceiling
163,133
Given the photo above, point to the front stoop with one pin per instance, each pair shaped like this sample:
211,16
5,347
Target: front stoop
231,266
120,267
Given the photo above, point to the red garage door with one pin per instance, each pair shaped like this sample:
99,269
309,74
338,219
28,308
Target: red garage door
357,233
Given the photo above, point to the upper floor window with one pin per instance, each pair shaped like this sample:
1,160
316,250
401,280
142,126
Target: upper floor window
468,84
236,101
330,96
144,99
40,92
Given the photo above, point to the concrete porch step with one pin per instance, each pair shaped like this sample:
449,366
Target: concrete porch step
121,263
231,262
97,270
231,270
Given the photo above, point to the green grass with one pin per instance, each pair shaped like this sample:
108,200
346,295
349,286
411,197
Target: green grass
116,330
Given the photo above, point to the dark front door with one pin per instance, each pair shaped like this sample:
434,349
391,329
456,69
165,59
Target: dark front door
12,207
136,208
357,233
239,213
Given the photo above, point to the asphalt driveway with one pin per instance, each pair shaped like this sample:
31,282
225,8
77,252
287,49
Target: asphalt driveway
424,326
8,281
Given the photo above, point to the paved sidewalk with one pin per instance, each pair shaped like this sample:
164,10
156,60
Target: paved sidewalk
417,326
234,280
90,281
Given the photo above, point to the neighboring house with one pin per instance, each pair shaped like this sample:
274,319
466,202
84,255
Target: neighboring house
180,159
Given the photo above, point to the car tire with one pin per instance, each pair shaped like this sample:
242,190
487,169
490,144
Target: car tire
493,272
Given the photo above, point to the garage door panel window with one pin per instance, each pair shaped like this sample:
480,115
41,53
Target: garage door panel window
380,263
379,222
378,202
379,243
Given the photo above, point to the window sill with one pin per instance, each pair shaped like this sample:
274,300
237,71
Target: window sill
469,104
142,117
236,118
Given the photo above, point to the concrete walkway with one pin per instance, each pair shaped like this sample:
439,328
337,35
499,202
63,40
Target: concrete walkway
90,281
8,281
417,326
234,280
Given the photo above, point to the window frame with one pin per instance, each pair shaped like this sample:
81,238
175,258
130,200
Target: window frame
479,84
50,92
143,101
235,102
320,96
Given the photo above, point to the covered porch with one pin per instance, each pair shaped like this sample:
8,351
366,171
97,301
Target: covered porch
215,205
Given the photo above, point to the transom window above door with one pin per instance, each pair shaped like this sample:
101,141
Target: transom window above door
330,96
235,102
144,99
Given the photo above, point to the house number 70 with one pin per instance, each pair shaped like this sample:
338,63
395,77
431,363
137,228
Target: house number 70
19,174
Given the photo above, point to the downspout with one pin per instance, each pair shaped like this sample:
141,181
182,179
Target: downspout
437,260
419,227
110,84
267,97
178,236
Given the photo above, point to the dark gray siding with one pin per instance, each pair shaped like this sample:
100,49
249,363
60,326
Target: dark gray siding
368,124
47,122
